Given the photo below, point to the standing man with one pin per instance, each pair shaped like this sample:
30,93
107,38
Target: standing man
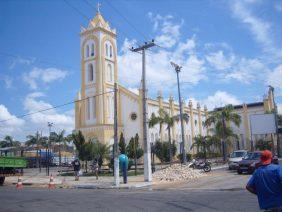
266,183
76,167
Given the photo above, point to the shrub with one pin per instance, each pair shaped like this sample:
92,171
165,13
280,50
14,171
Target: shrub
161,149
188,157
263,145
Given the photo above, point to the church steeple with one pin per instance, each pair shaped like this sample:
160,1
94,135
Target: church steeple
98,22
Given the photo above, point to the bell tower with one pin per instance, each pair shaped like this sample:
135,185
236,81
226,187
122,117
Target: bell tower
95,112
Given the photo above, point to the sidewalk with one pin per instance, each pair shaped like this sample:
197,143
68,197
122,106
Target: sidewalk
33,178
86,182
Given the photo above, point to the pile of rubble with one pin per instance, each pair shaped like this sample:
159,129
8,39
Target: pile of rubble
177,173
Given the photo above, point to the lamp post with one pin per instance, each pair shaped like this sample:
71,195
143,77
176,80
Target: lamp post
177,70
50,124
279,153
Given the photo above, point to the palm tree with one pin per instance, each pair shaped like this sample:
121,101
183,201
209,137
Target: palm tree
203,144
59,138
100,152
165,118
218,120
34,140
9,142
78,140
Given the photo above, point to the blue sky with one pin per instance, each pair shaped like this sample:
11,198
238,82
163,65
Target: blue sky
230,51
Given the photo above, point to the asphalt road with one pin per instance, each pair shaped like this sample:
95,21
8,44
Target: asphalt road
80,200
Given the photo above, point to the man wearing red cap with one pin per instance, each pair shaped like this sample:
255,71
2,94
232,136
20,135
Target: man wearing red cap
266,183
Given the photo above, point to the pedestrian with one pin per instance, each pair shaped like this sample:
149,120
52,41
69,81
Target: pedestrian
76,167
266,183
95,167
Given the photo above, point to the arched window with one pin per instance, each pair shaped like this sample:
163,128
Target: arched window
107,50
110,73
87,51
90,73
111,51
92,49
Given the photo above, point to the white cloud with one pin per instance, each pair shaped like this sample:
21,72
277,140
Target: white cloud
220,99
248,70
134,90
8,82
61,120
234,67
21,61
260,29
12,125
275,77
39,75
219,60
169,31
159,70
278,6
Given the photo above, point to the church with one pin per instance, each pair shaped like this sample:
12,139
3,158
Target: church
94,108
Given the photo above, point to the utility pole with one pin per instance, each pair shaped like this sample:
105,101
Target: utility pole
279,151
50,124
115,149
223,136
177,70
147,147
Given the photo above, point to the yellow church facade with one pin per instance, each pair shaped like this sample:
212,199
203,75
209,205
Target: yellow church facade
94,108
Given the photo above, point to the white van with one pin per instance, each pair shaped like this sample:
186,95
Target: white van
235,157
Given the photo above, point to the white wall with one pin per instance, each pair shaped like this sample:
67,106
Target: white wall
131,127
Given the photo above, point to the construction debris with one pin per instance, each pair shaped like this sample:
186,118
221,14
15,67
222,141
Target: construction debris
177,172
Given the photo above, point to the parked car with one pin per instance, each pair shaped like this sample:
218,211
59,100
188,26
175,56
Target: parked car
235,158
249,163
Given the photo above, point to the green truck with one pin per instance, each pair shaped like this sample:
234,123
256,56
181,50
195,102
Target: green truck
10,165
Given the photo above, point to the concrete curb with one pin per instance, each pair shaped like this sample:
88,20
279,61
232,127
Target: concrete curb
122,186
219,167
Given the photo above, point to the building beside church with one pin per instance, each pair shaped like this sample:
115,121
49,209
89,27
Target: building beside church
246,138
94,115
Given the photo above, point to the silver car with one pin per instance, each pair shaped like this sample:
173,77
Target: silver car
235,157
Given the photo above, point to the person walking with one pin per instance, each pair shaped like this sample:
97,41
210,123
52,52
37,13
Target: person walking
76,167
95,168
266,183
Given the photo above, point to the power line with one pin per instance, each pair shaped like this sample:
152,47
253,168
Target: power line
35,59
54,107
77,10
127,21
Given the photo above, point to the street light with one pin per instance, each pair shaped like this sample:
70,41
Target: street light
276,123
177,70
50,124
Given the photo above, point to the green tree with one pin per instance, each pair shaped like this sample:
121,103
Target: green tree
263,145
163,150
59,138
165,118
100,152
279,119
218,119
122,144
133,149
8,141
79,141
203,144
